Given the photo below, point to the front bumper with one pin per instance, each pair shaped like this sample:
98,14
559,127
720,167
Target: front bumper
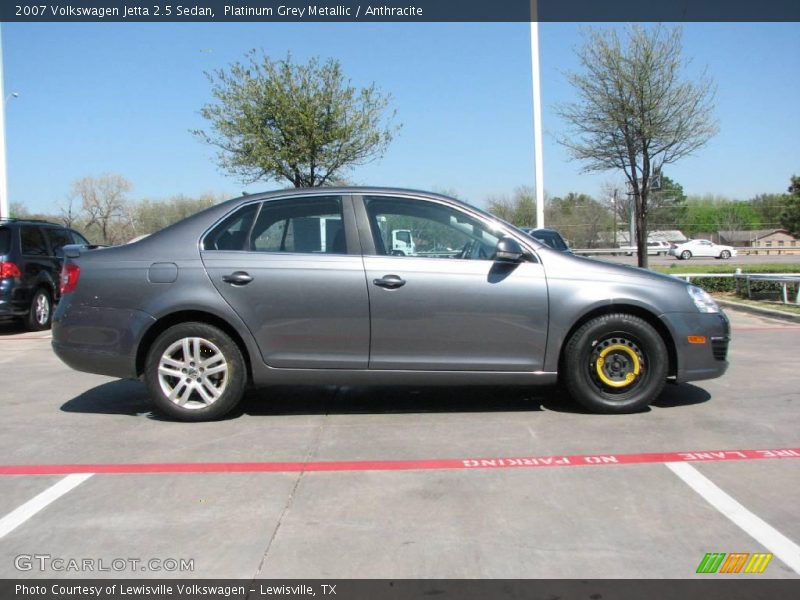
708,360
99,340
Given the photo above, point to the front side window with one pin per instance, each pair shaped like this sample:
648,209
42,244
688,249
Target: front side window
58,238
77,238
33,243
408,227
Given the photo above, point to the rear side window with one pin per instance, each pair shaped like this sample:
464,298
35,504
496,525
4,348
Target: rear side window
304,225
58,238
551,239
5,240
32,241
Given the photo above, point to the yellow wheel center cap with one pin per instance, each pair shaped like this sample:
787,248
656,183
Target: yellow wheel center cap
630,375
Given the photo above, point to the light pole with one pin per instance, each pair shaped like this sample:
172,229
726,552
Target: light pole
4,214
537,115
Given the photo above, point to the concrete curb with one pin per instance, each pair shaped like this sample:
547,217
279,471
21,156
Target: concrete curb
758,310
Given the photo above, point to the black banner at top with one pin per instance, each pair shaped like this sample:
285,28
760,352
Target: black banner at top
399,10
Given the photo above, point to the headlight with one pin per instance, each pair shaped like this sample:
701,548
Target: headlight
701,299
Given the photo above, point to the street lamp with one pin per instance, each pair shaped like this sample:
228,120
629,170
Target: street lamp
3,180
537,114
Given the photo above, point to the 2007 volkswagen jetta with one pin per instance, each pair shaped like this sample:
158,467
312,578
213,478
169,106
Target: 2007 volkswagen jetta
307,286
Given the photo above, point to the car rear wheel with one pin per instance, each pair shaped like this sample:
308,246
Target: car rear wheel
686,255
41,311
615,364
725,254
195,372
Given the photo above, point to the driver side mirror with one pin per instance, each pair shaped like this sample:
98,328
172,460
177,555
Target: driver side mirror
508,250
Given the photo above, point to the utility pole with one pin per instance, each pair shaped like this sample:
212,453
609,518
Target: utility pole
537,115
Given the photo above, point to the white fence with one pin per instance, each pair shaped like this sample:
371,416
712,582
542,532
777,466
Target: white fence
786,280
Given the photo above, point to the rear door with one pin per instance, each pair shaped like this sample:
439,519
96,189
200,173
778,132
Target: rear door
293,272
40,266
450,306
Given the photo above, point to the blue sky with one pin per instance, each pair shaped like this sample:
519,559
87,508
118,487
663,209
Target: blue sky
121,98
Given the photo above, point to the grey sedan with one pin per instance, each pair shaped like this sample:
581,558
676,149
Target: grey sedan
302,286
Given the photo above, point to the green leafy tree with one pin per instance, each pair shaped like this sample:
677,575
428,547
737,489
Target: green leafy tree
305,123
519,209
790,218
579,218
701,216
769,208
712,214
635,111
667,205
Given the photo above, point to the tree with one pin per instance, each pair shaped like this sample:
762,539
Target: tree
151,215
276,119
103,201
580,218
769,208
667,205
635,112
519,209
709,214
790,218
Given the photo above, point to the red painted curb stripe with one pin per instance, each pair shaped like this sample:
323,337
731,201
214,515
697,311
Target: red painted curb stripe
406,465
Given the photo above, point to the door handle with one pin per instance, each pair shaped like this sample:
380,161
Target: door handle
238,278
390,282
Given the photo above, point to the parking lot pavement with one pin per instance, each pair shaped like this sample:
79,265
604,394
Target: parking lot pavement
387,520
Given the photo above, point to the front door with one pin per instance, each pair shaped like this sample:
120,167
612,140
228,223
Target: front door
449,305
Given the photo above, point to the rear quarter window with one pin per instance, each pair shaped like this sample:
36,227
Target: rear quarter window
5,240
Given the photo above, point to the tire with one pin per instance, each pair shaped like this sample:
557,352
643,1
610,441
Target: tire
615,364
200,396
686,255
725,255
40,314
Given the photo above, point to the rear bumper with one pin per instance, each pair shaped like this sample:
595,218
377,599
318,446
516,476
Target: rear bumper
11,305
99,340
708,360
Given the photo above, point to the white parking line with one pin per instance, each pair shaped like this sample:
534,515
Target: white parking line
19,515
764,533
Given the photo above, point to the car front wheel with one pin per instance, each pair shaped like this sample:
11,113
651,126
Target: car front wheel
725,255
615,364
195,372
41,311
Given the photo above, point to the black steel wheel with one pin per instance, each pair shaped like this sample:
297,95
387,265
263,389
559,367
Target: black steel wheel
615,364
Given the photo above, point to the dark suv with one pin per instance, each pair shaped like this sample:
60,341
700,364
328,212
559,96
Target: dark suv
30,267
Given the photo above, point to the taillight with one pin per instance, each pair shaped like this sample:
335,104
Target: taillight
69,277
9,269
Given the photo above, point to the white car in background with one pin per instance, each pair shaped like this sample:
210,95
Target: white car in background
701,248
